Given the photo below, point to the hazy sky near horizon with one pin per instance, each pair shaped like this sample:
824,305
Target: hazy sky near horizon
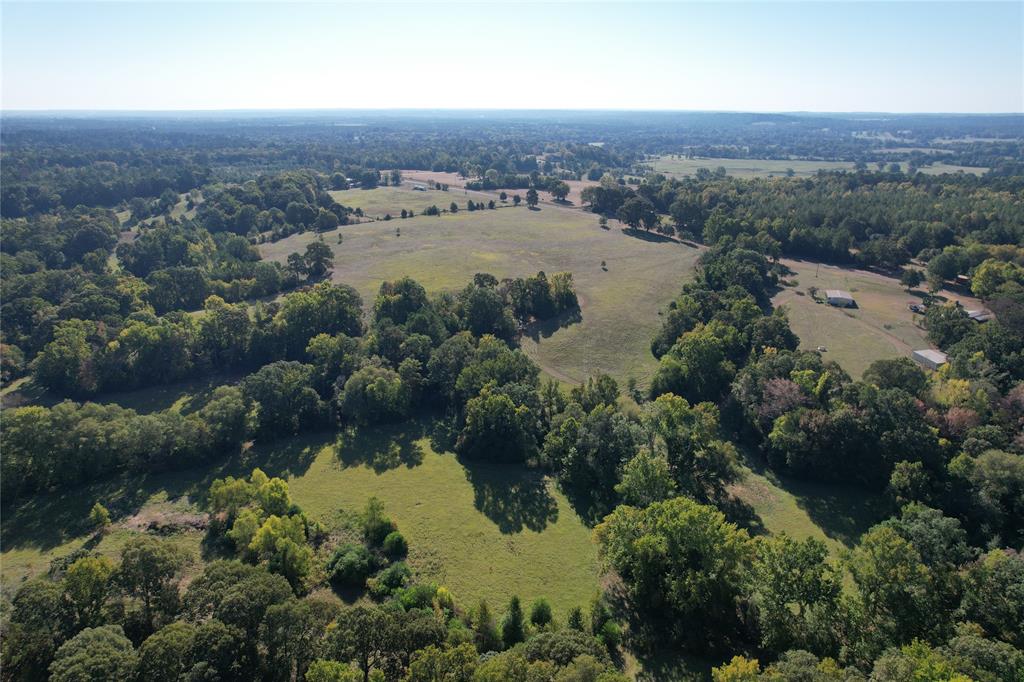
762,56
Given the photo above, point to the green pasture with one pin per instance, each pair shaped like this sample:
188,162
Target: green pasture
484,530
620,300
881,326
379,201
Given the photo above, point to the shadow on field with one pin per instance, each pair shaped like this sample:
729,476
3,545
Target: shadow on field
647,235
511,497
286,457
843,512
51,519
381,448
47,520
545,328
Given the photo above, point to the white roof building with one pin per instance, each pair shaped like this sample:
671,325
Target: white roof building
838,297
932,359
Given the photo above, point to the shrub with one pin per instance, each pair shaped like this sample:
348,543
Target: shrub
395,545
350,566
392,578
540,612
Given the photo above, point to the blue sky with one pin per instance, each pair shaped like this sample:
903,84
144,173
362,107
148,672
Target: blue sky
762,56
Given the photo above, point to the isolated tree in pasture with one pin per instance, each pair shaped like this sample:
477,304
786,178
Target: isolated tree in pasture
531,197
318,258
910,278
559,189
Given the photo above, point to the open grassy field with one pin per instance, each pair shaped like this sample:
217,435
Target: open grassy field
940,168
620,300
483,530
744,168
379,201
881,326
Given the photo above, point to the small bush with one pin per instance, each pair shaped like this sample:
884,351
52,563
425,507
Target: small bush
392,578
540,612
395,545
350,566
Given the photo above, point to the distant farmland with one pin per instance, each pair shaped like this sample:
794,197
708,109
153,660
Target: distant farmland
745,168
767,168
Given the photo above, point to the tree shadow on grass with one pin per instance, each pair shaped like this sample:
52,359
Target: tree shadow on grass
47,520
545,328
843,512
512,497
382,448
285,457
647,235
742,514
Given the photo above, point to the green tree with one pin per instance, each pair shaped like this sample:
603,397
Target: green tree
452,665
290,635
101,653
319,259
166,655
682,564
559,189
646,479
897,593
373,395
910,278
99,518
148,568
361,635
487,637
796,591
87,584
496,429
513,630
540,613
531,197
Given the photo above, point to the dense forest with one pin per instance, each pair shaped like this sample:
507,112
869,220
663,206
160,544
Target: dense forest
130,259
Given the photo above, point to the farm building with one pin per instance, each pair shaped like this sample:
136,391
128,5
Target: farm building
980,316
932,359
839,298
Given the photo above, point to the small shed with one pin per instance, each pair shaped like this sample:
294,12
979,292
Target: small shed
839,298
980,316
932,359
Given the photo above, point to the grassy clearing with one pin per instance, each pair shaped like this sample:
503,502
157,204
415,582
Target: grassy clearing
746,168
940,168
183,396
881,326
835,514
379,201
483,530
620,300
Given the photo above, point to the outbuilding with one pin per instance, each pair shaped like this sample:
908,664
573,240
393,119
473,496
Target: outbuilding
839,298
980,316
932,359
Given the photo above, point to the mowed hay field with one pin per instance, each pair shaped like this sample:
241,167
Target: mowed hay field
881,326
619,302
485,531
744,168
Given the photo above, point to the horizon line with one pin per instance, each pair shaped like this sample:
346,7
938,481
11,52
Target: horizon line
271,110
